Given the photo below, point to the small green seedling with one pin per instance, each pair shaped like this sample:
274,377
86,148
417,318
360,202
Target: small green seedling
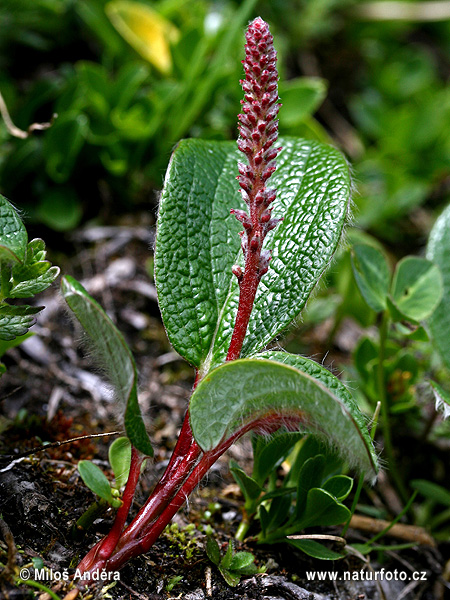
24,272
109,495
231,565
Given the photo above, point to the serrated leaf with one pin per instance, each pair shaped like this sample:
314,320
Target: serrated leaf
34,283
227,399
338,486
372,275
95,479
113,352
438,250
13,235
119,455
315,549
197,243
16,320
212,550
323,510
417,288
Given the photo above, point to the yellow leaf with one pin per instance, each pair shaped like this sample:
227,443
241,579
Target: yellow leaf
148,32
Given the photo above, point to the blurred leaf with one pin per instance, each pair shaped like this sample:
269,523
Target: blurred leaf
60,208
63,142
300,98
432,491
241,560
5,345
95,479
147,31
119,455
417,288
212,550
372,275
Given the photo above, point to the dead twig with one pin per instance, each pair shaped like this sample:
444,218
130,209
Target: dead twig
15,131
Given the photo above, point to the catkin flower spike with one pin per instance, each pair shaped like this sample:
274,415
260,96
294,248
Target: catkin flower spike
258,129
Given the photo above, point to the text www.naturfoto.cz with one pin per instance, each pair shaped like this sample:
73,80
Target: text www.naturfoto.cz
363,575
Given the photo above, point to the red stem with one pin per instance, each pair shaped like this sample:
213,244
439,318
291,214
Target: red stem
134,547
103,549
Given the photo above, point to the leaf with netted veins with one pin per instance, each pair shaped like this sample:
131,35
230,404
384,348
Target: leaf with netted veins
227,401
198,243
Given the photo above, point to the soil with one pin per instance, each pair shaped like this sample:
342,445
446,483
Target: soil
52,392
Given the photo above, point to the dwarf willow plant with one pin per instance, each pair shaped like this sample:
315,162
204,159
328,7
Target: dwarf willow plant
225,294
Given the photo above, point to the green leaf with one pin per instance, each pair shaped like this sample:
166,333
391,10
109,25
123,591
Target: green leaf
62,144
432,491
231,578
5,345
322,510
227,400
212,550
268,454
438,250
95,479
338,486
198,242
115,356
416,288
310,476
372,275
300,99
241,560
315,549
249,487
225,563
60,208
13,235
332,384
16,320
119,455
